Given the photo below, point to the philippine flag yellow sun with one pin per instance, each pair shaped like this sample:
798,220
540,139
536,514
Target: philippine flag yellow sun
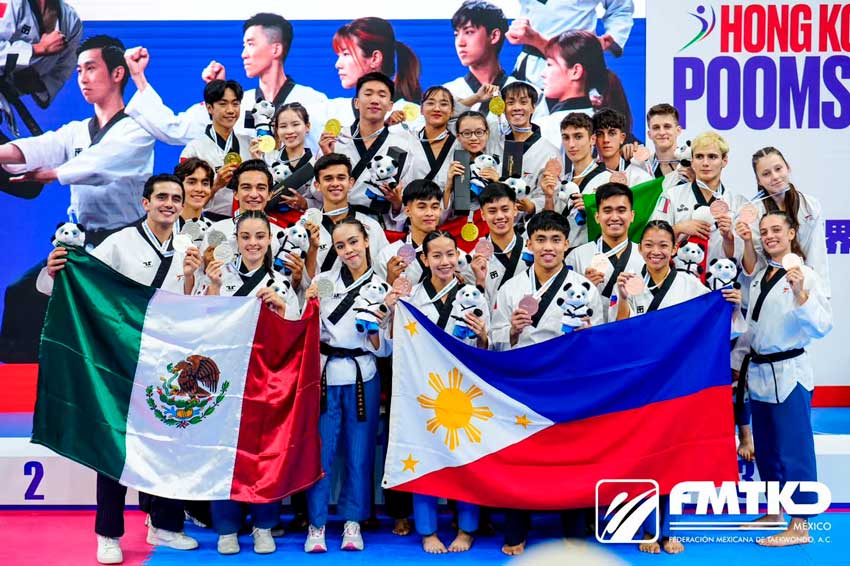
453,408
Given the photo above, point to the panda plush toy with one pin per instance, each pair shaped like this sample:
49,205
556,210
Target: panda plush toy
262,114
574,307
280,173
483,161
469,299
689,258
280,288
294,240
519,186
70,234
370,301
563,194
722,273
683,154
382,169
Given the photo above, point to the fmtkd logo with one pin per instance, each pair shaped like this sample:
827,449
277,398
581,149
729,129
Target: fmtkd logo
627,504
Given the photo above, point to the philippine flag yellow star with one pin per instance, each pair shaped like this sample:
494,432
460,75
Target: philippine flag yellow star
409,464
411,327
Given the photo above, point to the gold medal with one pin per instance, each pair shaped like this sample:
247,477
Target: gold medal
411,112
497,105
267,144
469,232
333,126
232,158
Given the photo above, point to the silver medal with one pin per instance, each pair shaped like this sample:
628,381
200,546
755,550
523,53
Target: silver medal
324,288
223,253
313,216
182,242
216,237
192,229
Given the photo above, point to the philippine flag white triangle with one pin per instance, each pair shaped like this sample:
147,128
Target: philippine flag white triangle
444,415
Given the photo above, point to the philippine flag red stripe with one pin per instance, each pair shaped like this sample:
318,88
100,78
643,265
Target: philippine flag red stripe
278,452
570,458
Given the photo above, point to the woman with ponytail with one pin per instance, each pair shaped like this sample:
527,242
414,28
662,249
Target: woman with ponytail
777,193
368,45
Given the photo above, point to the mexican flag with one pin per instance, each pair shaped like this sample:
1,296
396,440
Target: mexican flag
183,397
646,198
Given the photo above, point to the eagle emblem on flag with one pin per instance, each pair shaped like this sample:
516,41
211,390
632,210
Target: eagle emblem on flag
189,395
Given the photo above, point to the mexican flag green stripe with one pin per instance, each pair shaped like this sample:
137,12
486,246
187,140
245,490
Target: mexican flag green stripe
78,347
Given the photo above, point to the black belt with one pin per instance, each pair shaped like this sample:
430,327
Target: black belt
756,358
359,391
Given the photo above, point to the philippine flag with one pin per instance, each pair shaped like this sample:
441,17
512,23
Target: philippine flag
538,427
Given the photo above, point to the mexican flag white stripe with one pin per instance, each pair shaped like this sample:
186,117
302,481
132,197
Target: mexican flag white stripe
197,458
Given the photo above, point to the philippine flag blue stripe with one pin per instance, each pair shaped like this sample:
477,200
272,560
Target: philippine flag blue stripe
613,367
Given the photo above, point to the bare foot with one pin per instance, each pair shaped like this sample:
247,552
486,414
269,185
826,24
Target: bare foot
649,547
433,545
796,533
513,550
462,542
759,523
672,545
402,527
746,448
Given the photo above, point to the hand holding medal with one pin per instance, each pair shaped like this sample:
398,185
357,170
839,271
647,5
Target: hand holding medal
718,208
233,158
334,127
748,213
411,114
790,261
181,243
224,253
634,285
497,105
313,216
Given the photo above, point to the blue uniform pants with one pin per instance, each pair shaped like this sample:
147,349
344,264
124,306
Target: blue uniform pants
227,515
425,515
784,441
339,424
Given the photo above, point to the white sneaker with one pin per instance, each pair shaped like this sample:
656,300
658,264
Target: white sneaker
171,539
195,521
263,541
228,544
351,537
315,540
109,550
